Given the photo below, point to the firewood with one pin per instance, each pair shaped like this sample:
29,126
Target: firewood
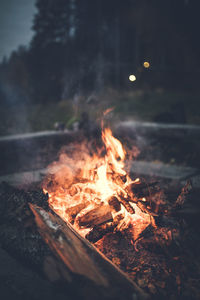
132,199
183,195
130,189
72,211
99,231
73,190
119,179
105,280
95,216
142,189
114,203
127,205
143,208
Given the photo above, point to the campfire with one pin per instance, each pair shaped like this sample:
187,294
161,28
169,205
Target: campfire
93,191
90,197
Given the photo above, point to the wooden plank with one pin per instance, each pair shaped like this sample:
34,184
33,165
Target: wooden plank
82,258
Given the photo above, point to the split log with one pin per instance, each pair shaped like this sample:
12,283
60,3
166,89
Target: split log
72,211
99,231
95,216
80,257
127,205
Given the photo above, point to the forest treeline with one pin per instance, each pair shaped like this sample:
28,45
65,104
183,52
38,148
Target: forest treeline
80,46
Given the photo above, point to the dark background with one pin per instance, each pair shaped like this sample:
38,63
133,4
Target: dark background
81,54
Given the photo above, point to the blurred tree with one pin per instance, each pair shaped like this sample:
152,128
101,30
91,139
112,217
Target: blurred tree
87,44
49,47
84,45
51,23
15,78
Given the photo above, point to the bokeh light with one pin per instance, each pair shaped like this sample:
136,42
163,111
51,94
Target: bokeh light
146,64
132,77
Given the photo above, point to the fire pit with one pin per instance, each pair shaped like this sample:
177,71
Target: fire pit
91,188
90,197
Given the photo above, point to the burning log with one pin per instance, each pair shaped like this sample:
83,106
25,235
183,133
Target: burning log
101,176
80,257
72,211
119,179
99,231
95,216
114,203
141,189
127,205
144,209
153,258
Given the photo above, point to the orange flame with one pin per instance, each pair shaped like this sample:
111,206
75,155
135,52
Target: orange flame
83,181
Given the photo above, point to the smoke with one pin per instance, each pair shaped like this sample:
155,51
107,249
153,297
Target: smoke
14,110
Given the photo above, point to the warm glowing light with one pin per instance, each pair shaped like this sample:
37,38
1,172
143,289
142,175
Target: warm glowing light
86,180
132,77
146,64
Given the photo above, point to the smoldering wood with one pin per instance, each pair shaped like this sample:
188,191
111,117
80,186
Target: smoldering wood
114,203
141,189
20,237
126,204
95,216
81,258
144,209
98,232
164,234
119,179
183,195
148,266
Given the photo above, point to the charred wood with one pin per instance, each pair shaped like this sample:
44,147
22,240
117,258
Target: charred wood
142,189
144,209
183,195
114,203
126,204
99,231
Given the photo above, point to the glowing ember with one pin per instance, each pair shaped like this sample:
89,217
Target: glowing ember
92,189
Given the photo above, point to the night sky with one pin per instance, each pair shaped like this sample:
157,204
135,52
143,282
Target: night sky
16,18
